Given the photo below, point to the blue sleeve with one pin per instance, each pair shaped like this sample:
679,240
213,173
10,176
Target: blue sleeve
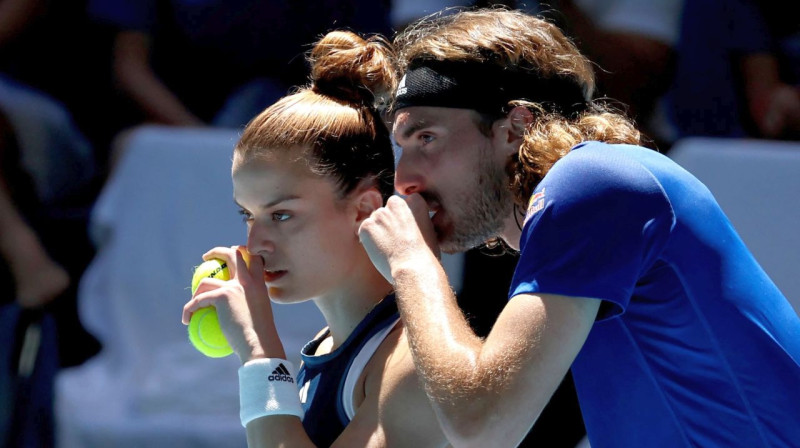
595,224
124,14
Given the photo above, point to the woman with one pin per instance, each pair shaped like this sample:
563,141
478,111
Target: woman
306,172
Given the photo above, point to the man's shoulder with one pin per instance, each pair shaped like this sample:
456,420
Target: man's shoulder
598,165
598,182
594,148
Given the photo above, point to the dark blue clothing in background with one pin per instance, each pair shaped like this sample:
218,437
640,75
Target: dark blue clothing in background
204,50
706,98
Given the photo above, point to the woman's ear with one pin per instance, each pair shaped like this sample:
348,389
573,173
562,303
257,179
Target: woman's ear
366,199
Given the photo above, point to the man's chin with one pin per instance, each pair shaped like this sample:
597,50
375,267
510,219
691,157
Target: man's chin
444,240
451,241
450,246
450,250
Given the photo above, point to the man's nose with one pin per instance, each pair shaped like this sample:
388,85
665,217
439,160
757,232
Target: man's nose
408,178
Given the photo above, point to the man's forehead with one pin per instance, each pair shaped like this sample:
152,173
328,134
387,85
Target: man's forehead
411,119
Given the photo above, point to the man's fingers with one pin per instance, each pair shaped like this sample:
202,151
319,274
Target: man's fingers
419,209
395,201
418,206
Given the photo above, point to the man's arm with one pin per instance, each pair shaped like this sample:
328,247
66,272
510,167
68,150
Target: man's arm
487,391
483,391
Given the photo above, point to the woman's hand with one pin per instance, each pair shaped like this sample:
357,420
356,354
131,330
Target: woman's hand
243,307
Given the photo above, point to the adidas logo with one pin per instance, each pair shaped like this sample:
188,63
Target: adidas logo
281,374
401,88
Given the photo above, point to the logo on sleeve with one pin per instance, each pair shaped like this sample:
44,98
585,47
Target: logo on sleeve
535,204
281,374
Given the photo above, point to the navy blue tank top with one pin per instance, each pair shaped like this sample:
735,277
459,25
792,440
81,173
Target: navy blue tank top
325,396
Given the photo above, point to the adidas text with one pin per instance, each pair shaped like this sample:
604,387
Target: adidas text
286,378
281,374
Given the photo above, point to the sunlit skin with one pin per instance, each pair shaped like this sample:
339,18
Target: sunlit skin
458,171
303,244
449,167
306,233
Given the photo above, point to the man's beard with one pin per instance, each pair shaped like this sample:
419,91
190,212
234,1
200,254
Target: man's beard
482,211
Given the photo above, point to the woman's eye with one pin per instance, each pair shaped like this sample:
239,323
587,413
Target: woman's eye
280,216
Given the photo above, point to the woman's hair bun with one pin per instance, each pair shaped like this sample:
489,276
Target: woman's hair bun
348,67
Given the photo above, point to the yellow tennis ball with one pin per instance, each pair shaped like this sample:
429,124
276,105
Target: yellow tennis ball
204,330
206,334
214,268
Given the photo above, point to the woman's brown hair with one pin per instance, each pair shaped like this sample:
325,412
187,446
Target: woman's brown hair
334,122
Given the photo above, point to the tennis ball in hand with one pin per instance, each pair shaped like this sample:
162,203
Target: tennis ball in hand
204,330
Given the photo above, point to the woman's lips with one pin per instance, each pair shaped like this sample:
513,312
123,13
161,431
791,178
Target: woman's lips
272,276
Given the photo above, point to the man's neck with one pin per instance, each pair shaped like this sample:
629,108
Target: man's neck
512,228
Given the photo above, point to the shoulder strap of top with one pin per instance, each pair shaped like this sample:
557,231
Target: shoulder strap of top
357,367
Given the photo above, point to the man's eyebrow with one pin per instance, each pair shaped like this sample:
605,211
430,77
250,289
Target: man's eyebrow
274,202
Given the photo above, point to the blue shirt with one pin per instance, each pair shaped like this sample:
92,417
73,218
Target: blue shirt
694,345
322,378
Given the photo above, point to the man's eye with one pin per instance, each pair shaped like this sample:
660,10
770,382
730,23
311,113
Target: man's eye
426,138
280,216
246,216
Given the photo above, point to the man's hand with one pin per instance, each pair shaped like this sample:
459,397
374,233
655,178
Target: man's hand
395,234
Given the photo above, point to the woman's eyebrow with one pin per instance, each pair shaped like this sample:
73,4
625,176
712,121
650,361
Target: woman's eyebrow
274,202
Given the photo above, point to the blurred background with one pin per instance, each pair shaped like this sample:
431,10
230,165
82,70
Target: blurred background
117,121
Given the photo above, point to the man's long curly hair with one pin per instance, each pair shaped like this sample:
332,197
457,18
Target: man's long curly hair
519,41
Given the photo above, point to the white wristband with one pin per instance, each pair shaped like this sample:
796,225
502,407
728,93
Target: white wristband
268,387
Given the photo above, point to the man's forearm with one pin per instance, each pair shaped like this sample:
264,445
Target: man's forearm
488,392
446,351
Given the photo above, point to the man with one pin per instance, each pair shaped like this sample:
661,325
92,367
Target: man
629,272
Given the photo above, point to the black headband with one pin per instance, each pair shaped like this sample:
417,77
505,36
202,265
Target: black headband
485,87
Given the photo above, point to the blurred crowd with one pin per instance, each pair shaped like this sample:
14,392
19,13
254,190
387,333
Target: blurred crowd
76,76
